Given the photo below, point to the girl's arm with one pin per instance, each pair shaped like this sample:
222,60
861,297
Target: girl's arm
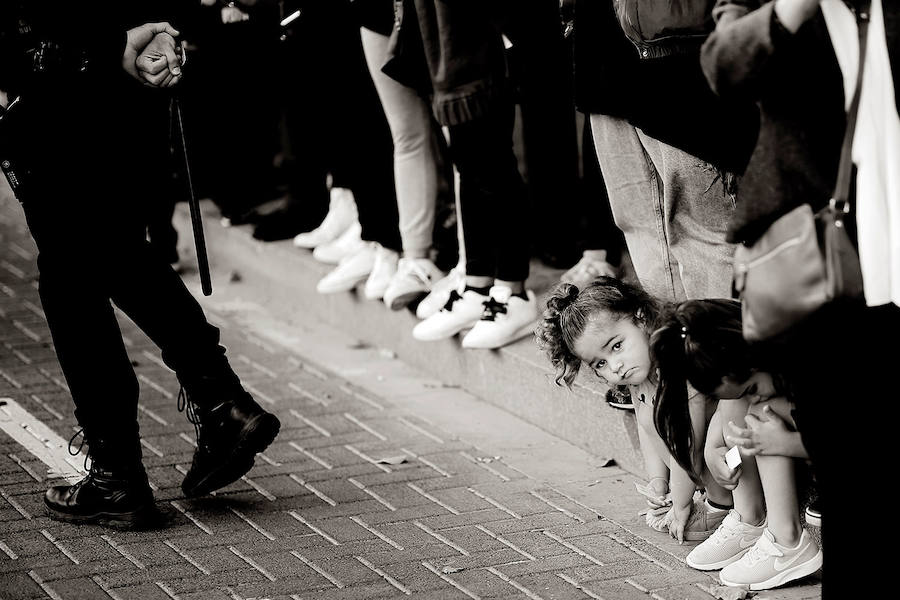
767,434
681,483
715,448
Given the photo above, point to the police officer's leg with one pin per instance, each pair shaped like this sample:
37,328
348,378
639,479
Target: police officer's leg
89,347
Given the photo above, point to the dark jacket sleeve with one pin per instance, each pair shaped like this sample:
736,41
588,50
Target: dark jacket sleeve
739,58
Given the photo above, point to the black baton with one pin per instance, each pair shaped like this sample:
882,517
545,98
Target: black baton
196,218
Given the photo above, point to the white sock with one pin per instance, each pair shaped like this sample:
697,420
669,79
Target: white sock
713,509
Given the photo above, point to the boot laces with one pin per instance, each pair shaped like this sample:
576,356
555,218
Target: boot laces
87,457
189,408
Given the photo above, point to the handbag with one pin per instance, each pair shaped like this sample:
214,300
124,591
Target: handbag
804,259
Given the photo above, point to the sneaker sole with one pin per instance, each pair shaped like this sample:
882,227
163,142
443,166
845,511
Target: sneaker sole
404,300
786,576
520,333
716,566
448,333
255,437
141,518
813,520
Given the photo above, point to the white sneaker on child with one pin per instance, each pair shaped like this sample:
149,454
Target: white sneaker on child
383,271
505,319
346,244
728,544
440,292
769,564
341,215
351,271
460,312
414,277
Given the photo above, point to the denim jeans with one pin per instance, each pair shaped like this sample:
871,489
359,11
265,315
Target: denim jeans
673,209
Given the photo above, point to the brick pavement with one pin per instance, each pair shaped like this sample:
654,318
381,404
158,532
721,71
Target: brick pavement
357,498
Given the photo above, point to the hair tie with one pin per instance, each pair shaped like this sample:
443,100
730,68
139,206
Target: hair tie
684,332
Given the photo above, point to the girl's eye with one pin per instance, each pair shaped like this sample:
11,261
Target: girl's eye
617,346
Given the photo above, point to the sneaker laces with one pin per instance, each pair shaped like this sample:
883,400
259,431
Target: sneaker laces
492,308
454,296
761,551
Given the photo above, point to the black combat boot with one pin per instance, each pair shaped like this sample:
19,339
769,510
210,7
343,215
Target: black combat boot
115,492
231,429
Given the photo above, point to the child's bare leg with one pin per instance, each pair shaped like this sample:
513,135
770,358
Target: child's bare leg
748,495
779,485
655,453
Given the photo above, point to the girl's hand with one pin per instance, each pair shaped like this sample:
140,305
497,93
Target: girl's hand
768,436
719,469
679,518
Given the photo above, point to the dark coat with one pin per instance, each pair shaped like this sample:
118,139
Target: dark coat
797,83
667,97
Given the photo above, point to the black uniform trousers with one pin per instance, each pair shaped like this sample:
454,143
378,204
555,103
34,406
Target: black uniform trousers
89,146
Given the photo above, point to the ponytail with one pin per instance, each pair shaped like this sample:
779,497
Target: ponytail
551,337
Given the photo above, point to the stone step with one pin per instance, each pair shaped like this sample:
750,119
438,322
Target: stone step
517,378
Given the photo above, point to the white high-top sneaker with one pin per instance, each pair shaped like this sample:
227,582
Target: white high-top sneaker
460,312
350,272
383,271
505,319
440,292
414,277
346,244
341,215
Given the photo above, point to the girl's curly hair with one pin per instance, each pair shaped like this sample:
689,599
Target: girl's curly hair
569,310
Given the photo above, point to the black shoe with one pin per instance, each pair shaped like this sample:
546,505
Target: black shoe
229,435
619,397
284,224
120,498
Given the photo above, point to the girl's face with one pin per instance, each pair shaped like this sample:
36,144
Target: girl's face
617,350
756,388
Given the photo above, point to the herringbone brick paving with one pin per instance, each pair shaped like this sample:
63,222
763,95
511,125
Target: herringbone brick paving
355,499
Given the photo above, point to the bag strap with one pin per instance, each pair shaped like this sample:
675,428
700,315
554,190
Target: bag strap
840,200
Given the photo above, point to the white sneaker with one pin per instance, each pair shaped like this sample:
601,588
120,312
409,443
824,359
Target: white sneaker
414,277
728,544
341,215
440,292
383,272
768,564
460,312
347,244
505,319
351,271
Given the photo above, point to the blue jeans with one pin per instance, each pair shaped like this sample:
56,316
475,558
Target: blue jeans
673,209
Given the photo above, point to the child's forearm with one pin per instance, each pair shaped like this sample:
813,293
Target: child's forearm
680,485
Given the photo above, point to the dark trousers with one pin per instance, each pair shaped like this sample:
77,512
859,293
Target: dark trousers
542,70
841,365
335,122
90,230
493,201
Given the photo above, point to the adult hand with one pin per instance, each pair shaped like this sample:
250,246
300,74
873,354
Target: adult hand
159,64
679,518
232,14
767,435
138,39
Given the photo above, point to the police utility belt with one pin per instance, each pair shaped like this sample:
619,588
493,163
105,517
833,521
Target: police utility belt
47,58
